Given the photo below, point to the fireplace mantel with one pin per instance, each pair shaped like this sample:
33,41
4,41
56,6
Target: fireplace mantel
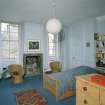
33,63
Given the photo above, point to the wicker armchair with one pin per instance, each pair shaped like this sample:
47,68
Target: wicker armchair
55,66
16,72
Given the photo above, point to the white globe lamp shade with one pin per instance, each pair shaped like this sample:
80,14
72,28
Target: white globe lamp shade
54,26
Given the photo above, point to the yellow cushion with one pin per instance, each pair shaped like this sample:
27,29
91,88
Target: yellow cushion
55,66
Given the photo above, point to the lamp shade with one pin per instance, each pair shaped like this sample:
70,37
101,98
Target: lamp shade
53,26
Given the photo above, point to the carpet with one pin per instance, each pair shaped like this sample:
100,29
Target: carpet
30,97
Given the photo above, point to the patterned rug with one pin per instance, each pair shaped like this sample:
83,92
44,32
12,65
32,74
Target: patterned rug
30,97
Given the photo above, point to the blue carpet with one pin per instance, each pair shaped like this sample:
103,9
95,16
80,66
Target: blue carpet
7,90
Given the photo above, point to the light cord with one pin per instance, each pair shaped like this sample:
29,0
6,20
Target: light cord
54,8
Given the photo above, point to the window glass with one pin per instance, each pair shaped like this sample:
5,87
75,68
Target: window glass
9,40
51,45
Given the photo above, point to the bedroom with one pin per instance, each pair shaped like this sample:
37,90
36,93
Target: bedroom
80,20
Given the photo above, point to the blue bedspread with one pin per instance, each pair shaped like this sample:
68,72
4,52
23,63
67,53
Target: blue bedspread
66,79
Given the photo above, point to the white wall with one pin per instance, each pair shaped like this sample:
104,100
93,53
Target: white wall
35,31
63,46
101,26
73,49
80,33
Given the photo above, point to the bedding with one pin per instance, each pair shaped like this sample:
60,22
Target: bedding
61,82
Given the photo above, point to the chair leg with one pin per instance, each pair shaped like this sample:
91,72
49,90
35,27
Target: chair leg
17,80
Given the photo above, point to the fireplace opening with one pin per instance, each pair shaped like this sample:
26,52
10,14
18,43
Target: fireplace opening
33,64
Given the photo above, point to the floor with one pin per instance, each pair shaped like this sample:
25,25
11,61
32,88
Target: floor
7,90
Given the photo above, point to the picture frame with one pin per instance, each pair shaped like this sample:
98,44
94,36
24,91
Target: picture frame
87,44
33,45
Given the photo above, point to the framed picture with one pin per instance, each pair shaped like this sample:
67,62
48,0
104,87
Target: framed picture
33,45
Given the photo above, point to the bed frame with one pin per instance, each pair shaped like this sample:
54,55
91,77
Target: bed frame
53,88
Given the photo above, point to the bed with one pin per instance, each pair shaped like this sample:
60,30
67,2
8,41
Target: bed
62,84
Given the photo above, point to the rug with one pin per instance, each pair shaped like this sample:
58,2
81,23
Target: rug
30,97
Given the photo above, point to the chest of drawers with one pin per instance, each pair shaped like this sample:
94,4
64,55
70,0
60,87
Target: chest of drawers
89,93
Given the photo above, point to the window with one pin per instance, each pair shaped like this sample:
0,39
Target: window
53,47
9,41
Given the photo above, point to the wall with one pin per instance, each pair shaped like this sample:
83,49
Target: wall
30,31
35,31
101,26
63,46
79,34
73,50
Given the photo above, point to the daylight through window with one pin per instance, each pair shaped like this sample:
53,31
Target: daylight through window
51,45
9,41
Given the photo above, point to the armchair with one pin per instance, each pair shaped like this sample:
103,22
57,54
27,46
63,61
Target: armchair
16,72
55,66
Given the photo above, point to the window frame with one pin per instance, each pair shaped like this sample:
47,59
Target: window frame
9,32
56,56
53,42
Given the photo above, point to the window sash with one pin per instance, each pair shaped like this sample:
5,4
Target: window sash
9,41
52,47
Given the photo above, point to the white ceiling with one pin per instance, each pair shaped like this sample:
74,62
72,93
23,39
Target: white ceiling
40,11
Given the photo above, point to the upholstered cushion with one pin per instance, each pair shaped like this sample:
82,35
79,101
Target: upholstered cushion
55,66
16,72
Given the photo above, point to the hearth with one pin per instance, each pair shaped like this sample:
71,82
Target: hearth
33,63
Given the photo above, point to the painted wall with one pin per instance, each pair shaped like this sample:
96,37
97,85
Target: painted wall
79,34
63,46
73,50
35,31
101,26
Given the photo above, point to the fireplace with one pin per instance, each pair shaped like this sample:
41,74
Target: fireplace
33,63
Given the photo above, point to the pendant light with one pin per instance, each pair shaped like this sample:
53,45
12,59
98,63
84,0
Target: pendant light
53,25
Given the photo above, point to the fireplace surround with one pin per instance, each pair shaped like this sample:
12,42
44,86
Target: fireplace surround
33,63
